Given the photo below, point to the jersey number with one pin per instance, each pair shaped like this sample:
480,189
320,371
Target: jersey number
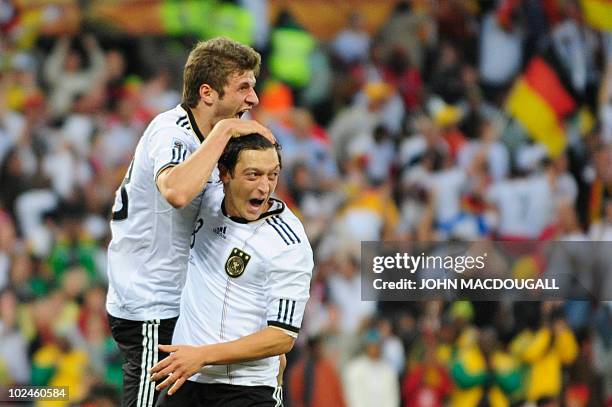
122,213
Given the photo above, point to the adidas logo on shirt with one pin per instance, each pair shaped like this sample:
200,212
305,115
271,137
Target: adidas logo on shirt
220,231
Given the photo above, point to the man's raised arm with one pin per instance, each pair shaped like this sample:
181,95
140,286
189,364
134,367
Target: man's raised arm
181,183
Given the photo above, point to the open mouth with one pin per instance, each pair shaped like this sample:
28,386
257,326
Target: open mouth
256,202
240,114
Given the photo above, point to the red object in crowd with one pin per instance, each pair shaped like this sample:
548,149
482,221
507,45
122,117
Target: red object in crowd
455,140
426,386
10,18
577,395
409,85
504,12
320,134
552,10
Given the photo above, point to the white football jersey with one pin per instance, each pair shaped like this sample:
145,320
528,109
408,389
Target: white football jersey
147,256
525,206
243,276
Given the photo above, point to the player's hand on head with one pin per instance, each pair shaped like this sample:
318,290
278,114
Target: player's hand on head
183,362
239,127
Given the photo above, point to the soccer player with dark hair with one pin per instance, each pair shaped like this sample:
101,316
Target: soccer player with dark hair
157,203
247,286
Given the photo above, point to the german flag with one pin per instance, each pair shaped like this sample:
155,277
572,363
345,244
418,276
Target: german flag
539,101
598,13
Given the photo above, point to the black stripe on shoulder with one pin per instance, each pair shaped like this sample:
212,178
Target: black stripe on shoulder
284,326
182,121
278,231
288,227
281,227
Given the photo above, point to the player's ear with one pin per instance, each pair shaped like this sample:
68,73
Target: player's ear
224,174
207,94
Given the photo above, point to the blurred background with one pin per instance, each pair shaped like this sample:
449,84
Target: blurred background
426,120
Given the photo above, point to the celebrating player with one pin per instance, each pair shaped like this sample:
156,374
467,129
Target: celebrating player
248,282
157,203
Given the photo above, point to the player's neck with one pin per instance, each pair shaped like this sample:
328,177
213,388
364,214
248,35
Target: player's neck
204,117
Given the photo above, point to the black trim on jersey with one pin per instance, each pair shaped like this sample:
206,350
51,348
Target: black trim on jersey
193,123
292,309
238,219
280,307
283,308
286,312
279,233
183,122
281,227
284,230
284,326
288,227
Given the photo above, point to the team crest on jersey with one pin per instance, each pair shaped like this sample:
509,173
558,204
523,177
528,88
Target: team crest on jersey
236,263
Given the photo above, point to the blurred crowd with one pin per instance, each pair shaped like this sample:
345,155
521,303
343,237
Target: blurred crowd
398,134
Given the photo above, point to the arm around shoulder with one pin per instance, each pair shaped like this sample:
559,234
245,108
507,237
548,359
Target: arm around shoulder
182,182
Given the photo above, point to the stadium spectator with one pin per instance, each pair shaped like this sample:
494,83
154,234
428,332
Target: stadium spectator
369,380
484,373
313,380
15,368
401,73
360,118
413,28
427,383
351,44
65,75
546,351
392,347
501,51
290,49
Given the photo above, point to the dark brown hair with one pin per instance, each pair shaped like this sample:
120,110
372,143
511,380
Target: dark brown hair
255,141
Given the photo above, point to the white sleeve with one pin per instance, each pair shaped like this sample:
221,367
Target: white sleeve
289,287
169,147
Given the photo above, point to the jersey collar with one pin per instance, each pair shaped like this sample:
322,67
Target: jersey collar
276,208
192,122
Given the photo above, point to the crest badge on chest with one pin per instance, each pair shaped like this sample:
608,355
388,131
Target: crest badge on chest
236,263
